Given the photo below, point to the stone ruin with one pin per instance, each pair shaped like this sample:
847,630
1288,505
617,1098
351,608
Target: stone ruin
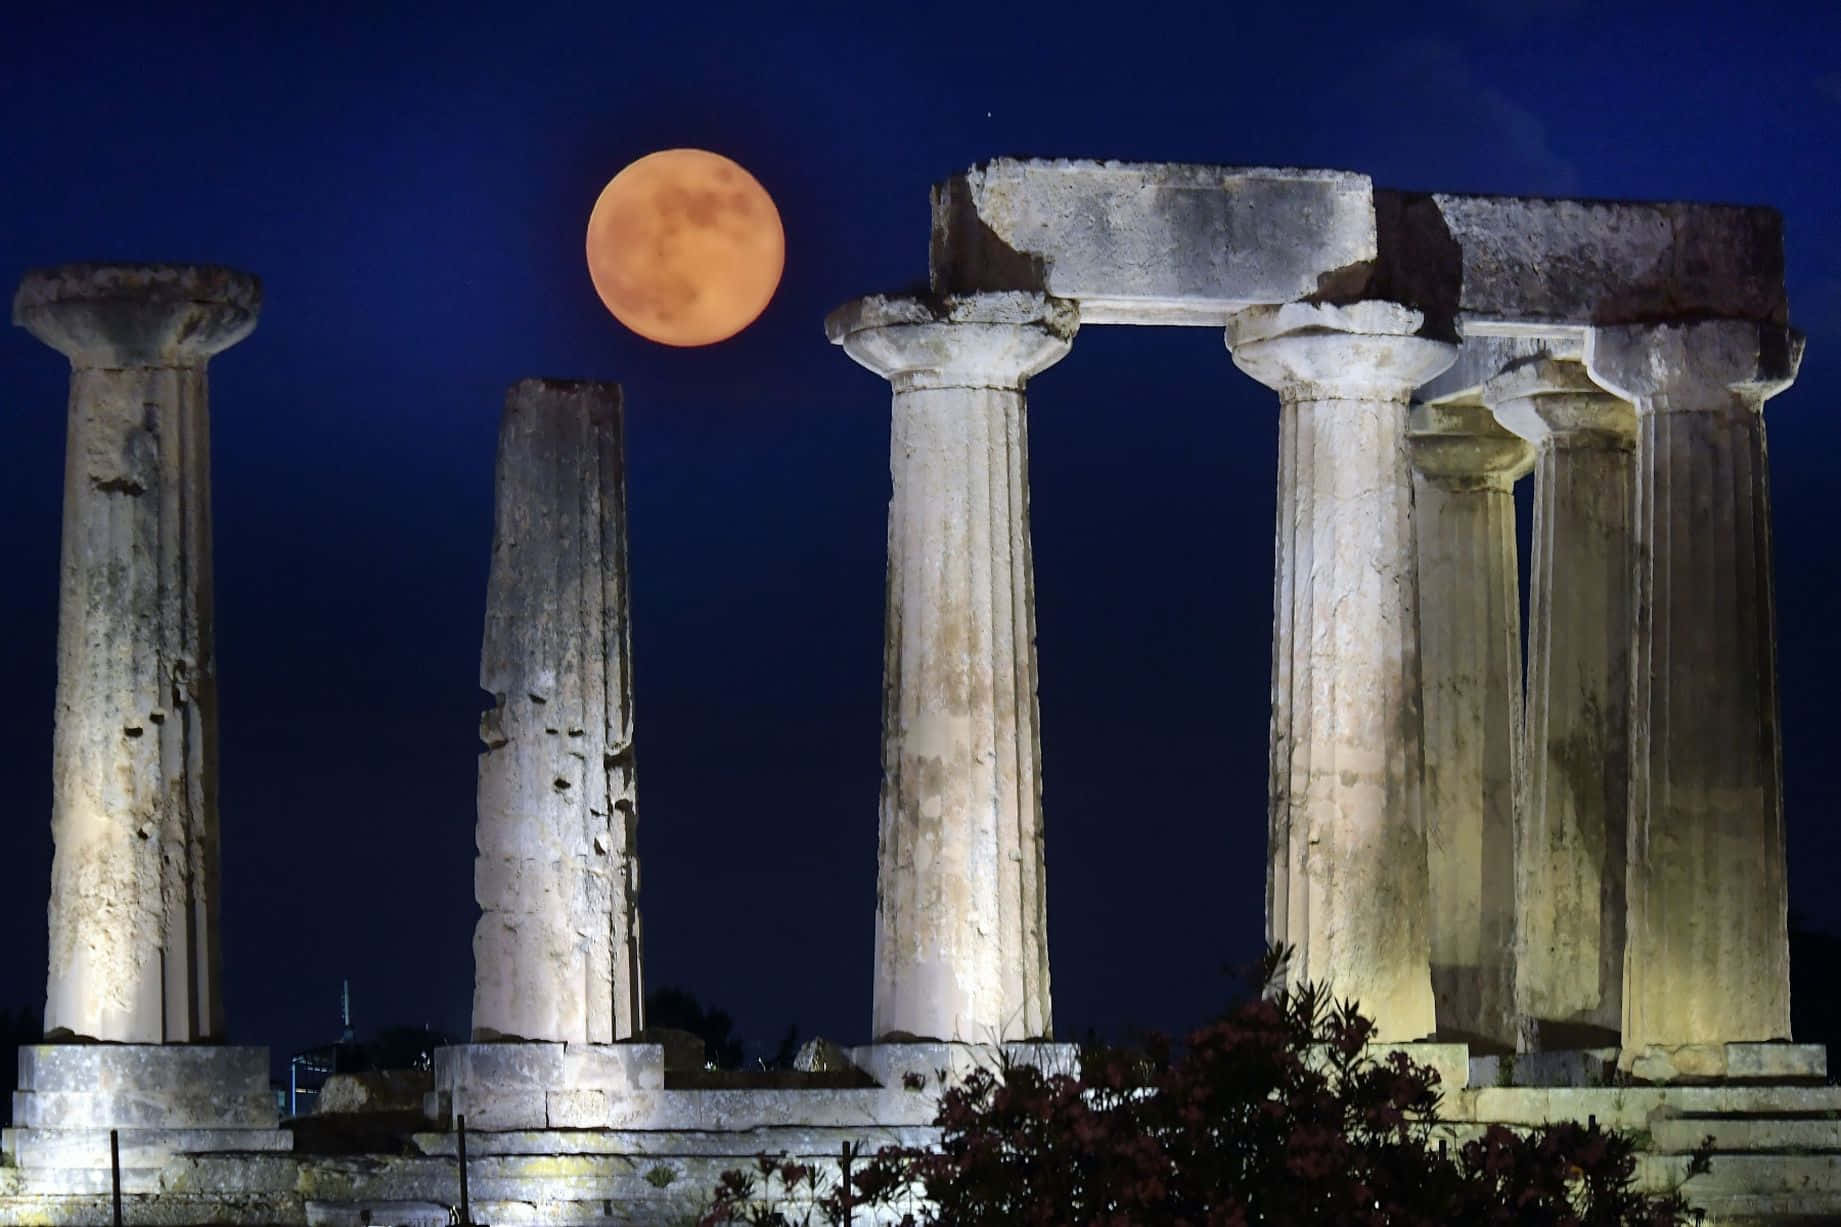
1568,894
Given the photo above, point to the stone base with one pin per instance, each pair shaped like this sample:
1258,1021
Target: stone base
1570,1067
925,1064
540,1086
1777,1158
1707,1063
164,1099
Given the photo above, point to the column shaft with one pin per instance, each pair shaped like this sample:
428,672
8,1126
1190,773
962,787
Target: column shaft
1708,955
133,918
556,950
1470,660
1578,796
1348,872
961,808
1570,886
961,922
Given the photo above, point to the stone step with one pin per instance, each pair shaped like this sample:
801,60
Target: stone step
1773,1175
724,1110
145,1109
364,1214
1632,1107
79,1148
800,1140
1684,1133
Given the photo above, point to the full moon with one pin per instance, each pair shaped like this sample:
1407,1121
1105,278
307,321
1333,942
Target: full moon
685,247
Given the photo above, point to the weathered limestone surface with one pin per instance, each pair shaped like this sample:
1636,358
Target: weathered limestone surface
1465,469
1708,948
539,1086
163,1098
961,923
133,918
936,1065
1569,890
1347,876
1148,242
556,952
1174,243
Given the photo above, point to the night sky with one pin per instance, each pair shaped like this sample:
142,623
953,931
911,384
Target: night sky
412,188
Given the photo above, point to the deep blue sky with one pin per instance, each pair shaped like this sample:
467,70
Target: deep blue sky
412,188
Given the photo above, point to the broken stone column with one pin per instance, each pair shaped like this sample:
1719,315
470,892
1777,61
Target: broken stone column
1707,954
556,951
961,927
1347,875
133,920
1465,470
134,952
1569,888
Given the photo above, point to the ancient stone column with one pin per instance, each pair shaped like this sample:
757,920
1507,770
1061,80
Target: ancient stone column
1465,469
1569,888
134,954
961,928
1707,953
1347,875
556,952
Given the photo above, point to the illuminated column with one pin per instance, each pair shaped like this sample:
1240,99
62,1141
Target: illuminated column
1347,876
1708,952
133,920
961,928
1569,888
1465,469
556,950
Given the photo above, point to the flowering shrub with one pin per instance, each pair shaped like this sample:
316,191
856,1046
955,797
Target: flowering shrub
1275,1114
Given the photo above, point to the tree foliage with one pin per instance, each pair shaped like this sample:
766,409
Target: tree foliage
1278,1113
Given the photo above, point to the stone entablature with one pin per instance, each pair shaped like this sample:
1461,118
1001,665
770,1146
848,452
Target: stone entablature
1171,243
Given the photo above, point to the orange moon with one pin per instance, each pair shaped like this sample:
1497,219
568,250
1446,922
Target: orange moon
685,247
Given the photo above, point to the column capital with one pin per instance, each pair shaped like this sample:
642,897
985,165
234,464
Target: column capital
1702,366
1362,351
127,315
1554,401
995,340
1462,447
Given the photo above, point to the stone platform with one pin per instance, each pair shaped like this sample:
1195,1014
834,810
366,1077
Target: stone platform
1777,1145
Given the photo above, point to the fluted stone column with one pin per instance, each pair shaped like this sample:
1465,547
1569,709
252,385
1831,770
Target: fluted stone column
961,927
1707,949
1569,889
1347,874
556,951
1465,469
134,954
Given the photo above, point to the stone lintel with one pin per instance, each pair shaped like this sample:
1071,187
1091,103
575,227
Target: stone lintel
122,315
1149,242
1533,261
1177,243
